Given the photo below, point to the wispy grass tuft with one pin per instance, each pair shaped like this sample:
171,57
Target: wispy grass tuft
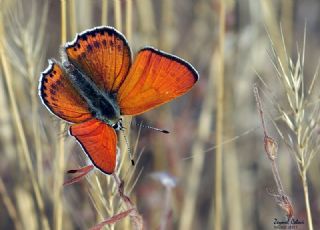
20,49
298,112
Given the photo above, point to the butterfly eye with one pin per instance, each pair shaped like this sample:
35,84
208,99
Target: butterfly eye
118,125
115,126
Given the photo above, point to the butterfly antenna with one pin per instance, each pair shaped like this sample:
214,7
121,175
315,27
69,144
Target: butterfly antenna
129,150
153,128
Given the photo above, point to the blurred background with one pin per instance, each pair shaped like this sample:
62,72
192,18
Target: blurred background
211,171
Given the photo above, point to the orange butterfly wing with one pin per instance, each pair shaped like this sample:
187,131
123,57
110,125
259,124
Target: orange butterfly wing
99,141
154,79
103,54
60,97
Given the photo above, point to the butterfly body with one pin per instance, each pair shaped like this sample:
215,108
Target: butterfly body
97,83
102,104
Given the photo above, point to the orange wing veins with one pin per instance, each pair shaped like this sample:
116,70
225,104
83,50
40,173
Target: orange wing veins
154,79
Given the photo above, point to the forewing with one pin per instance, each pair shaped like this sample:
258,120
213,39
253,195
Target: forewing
99,141
154,79
60,97
103,54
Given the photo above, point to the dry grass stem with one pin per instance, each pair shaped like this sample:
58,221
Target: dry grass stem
104,12
73,17
202,135
129,20
60,154
135,217
219,122
9,205
271,149
117,15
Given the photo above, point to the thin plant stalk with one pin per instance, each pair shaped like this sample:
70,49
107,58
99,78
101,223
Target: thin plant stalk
203,132
219,122
166,208
128,34
145,10
287,9
125,138
9,205
117,15
135,217
306,197
129,20
58,211
127,119
272,25
234,203
104,12
271,149
36,134
73,17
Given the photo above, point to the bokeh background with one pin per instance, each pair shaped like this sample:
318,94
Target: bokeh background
211,171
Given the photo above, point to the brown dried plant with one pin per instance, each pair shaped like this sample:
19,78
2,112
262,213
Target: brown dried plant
299,112
271,149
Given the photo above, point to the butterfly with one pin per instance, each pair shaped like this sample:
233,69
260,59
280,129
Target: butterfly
97,83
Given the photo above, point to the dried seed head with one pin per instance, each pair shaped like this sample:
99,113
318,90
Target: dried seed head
286,206
271,148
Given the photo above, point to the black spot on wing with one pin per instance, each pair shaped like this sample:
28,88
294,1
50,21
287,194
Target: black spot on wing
89,48
53,92
59,83
96,44
54,86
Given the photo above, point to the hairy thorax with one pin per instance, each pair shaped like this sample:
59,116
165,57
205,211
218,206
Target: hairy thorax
102,104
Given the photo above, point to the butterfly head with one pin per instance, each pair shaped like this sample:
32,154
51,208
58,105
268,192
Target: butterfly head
118,125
